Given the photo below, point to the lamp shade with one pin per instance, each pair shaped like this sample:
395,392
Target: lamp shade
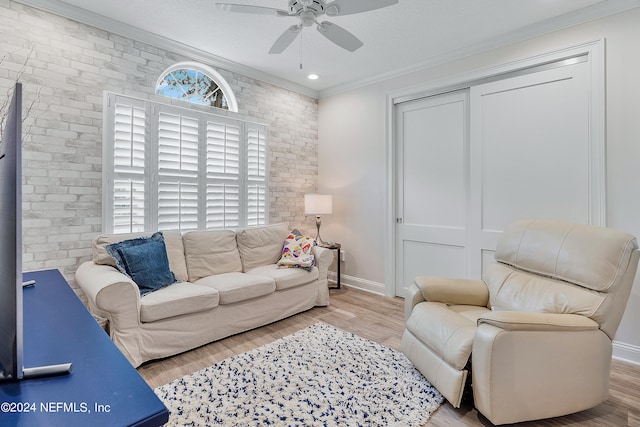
318,204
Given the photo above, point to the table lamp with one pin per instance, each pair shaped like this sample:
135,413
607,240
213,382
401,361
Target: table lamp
318,204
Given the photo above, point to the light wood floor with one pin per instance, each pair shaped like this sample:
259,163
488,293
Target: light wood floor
381,319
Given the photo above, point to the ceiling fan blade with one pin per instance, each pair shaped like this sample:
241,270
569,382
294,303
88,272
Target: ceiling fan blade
339,36
285,39
348,7
254,10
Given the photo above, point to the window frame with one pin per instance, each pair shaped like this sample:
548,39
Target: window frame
224,86
150,173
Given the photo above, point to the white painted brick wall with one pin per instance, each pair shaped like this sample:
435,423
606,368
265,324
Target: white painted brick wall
69,66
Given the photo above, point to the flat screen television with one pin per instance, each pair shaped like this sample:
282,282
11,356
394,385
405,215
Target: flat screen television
11,285
11,241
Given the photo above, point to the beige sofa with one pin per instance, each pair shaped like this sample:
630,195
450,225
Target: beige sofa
229,283
536,332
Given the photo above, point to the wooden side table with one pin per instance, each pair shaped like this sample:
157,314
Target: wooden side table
335,247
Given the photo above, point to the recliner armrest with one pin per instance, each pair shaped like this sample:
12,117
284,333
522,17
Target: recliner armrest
453,291
412,297
445,290
558,363
528,321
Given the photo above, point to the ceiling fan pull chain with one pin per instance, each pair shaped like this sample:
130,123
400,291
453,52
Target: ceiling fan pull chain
300,50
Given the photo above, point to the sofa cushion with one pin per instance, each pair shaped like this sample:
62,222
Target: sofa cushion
211,252
261,245
286,278
235,287
144,260
172,241
177,299
448,332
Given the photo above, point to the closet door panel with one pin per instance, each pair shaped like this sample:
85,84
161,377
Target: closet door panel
530,153
431,187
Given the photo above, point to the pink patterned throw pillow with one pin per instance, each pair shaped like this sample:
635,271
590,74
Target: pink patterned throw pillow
297,252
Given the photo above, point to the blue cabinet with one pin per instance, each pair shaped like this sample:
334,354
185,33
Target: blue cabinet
103,389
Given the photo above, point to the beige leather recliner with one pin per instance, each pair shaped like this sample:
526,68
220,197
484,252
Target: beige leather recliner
538,326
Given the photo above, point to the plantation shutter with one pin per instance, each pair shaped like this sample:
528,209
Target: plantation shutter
172,168
223,173
177,171
256,175
128,194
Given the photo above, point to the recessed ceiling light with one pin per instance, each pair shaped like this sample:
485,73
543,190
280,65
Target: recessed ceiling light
313,77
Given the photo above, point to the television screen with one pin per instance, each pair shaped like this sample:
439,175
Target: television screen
11,367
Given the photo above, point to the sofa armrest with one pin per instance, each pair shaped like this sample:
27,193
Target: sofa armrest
111,294
324,258
528,321
453,291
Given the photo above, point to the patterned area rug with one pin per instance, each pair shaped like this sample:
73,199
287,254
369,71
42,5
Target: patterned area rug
319,376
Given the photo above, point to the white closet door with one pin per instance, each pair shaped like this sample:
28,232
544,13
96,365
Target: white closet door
530,155
431,152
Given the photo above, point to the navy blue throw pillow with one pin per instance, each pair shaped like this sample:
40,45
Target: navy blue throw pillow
145,261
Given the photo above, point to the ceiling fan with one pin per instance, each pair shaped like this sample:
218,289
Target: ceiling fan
308,12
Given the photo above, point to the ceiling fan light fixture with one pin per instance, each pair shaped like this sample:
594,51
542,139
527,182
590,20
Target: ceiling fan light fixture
307,18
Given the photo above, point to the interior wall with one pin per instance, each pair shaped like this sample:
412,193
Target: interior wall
65,67
353,153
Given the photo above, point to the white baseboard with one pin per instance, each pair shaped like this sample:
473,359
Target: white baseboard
626,352
362,284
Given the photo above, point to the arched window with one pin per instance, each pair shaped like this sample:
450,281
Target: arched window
196,83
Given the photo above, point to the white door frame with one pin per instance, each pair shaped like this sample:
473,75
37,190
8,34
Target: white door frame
594,53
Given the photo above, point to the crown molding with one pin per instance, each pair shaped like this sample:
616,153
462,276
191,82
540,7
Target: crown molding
596,11
74,13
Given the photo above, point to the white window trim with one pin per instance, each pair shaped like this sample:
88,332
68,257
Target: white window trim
152,109
213,74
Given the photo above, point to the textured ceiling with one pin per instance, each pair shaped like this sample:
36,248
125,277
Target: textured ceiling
405,36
